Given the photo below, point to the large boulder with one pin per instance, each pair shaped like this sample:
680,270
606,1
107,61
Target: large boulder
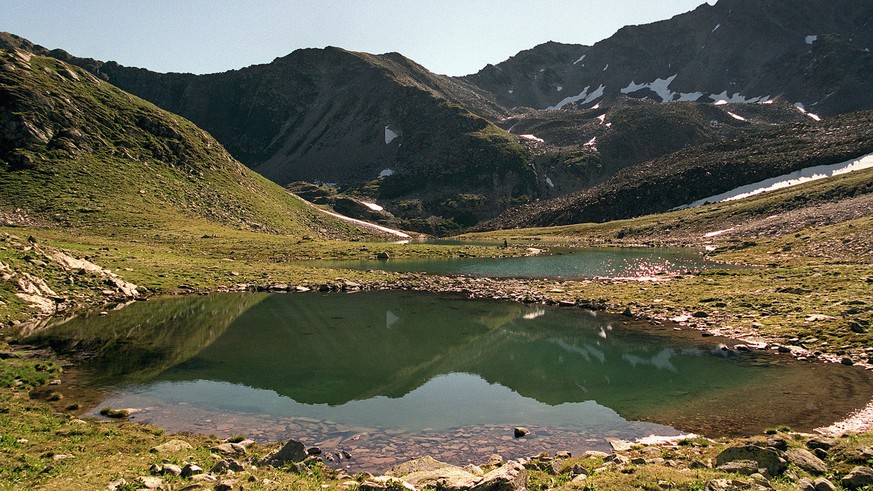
428,472
292,451
859,477
766,458
806,461
511,476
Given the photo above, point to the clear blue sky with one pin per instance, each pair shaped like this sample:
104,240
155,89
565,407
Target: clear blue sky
452,37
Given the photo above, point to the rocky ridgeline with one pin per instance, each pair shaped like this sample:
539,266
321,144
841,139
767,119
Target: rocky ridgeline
807,462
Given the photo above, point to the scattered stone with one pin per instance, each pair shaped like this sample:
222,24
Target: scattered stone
171,469
778,443
382,483
191,470
383,255
511,476
521,431
857,327
151,482
619,445
292,451
495,460
596,454
806,461
859,476
744,467
171,446
431,473
114,485
805,485
229,449
563,455
224,465
313,451
760,480
822,442
225,485
822,484
766,458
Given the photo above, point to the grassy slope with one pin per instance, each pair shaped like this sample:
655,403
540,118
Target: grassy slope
84,154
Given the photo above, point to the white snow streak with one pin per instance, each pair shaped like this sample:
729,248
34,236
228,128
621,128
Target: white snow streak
583,98
660,86
549,182
579,60
606,67
386,173
532,138
602,118
787,180
716,27
736,116
389,135
736,98
372,206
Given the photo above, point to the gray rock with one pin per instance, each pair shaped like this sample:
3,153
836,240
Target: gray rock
382,483
805,485
744,467
191,470
171,446
224,465
858,477
766,458
596,454
511,476
151,482
171,469
761,481
822,484
292,451
229,449
225,485
822,442
563,455
806,461
520,431
450,478
778,443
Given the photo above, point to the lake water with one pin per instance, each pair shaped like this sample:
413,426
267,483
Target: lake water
389,376
567,263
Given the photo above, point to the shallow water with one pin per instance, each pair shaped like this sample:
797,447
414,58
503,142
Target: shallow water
388,376
567,263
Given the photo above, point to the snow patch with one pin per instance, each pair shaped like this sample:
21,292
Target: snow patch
592,144
532,138
559,88
800,107
602,118
736,116
735,98
716,27
583,98
718,232
510,91
372,206
579,60
385,173
390,135
606,67
549,182
690,96
811,39
801,176
660,86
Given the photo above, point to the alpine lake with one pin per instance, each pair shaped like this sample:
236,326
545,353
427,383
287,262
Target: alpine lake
377,378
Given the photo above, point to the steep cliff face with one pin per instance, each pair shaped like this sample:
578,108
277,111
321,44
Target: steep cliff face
815,53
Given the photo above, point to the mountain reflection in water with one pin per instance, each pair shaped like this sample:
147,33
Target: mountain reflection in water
415,361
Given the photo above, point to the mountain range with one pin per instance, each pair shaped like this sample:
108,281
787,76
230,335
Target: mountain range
689,97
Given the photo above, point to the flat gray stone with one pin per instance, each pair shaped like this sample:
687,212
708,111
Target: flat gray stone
806,461
511,476
859,476
766,458
292,451
171,446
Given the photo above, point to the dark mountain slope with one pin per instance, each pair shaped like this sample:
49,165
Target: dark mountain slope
701,171
812,52
381,126
79,152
